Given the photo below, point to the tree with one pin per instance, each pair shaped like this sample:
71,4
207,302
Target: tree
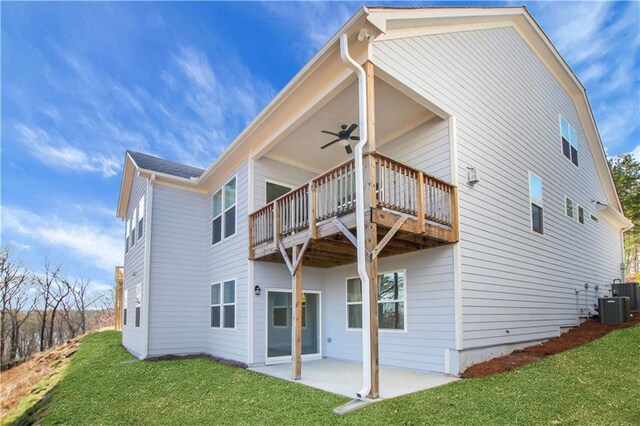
46,288
626,175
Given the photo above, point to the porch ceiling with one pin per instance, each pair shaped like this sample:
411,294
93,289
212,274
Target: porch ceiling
395,114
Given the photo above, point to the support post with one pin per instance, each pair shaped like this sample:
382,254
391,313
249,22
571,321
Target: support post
296,329
420,202
372,270
313,229
276,224
371,229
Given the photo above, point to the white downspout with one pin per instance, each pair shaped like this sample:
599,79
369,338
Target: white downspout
360,225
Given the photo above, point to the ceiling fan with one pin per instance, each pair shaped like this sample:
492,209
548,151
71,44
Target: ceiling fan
344,137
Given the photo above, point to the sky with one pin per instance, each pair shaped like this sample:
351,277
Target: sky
82,82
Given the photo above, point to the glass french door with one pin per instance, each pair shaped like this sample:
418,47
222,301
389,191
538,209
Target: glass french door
280,320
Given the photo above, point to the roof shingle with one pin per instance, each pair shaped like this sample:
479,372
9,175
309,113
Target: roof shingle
160,165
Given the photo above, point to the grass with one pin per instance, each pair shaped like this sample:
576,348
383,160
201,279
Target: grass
598,383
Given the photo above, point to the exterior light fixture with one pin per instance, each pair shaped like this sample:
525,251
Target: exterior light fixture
257,290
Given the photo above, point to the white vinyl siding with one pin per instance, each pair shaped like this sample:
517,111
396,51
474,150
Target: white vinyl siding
507,123
132,337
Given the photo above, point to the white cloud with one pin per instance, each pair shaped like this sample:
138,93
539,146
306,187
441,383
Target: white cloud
59,154
98,245
636,153
313,23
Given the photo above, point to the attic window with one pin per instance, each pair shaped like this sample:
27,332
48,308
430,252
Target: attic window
569,141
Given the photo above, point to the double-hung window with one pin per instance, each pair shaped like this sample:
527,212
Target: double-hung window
568,207
138,303
223,224
223,304
140,217
134,221
125,304
535,201
569,141
127,235
391,301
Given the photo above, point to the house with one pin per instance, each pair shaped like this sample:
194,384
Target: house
485,204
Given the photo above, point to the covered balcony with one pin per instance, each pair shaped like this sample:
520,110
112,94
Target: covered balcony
412,211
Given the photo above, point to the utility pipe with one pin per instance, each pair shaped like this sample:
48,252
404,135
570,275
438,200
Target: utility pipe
360,225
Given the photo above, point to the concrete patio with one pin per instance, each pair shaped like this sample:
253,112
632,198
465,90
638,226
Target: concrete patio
345,377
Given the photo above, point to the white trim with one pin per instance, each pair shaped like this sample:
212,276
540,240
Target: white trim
285,359
147,263
224,210
405,328
457,247
250,266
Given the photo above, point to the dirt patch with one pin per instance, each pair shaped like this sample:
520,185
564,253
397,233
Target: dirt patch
578,336
19,381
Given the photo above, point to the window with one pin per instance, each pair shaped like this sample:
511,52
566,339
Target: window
223,304
274,190
216,225
224,212
280,310
594,218
215,305
230,208
229,305
568,206
569,141
354,303
134,221
125,304
138,303
391,301
581,215
535,199
140,217
127,234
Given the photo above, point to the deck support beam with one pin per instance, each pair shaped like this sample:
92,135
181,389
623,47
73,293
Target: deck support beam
371,230
396,226
296,329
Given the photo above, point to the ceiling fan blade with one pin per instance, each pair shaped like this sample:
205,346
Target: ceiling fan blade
330,133
352,128
355,138
329,144
348,149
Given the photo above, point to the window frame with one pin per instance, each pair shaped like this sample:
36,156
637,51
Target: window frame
222,304
224,211
595,219
568,200
127,234
531,203
140,223
405,329
134,222
580,212
570,158
268,181
219,305
125,303
138,310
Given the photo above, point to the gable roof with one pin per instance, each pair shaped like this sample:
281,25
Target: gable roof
385,22
149,165
160,165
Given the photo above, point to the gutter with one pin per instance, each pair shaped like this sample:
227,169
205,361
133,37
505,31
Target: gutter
360,225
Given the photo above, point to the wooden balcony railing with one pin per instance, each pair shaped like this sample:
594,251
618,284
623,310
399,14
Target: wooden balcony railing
398,188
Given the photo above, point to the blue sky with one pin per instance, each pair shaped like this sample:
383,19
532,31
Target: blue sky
82,82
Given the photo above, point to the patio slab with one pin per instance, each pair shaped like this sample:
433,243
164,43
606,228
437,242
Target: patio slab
345,377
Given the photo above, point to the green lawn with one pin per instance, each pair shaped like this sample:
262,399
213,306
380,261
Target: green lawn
596,384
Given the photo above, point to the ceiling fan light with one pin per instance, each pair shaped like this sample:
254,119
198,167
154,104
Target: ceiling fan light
344,142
